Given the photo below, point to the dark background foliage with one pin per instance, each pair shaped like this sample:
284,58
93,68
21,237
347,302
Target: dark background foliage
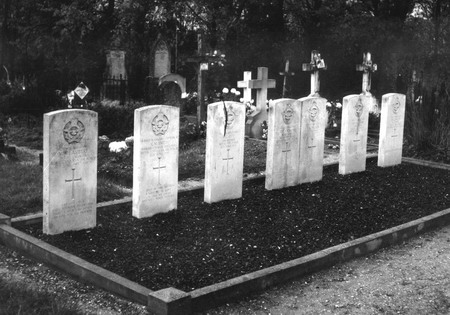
52,45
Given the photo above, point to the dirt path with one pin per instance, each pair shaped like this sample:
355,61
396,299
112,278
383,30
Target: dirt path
411,278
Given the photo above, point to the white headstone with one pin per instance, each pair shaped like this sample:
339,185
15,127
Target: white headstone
155,160
224,151
70,170
161,59
355,119
391,129
283,144
312,138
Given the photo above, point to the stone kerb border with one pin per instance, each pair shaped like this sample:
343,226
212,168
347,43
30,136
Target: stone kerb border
173,301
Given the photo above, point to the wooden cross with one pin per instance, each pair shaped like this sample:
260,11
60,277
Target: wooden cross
73,180
228,158
262,84
203,61
367,68
286,74
316,64
159,170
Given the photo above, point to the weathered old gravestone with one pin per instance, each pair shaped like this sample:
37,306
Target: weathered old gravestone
283,144
70,170
155,160
224,151
115,64
313,115
355,120
391,129
161,58
253,127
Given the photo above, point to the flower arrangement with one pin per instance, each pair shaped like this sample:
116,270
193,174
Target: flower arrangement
118,146
265,129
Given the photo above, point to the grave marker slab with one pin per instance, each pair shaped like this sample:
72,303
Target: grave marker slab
391,129
355,122
70,170
312,137
224,151
115,64
155,160
283,144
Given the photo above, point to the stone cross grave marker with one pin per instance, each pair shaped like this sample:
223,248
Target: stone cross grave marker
224,151
283,144
317,64
367,68
70,170
247,86
391,129
155,160
261,84
355,122
313,116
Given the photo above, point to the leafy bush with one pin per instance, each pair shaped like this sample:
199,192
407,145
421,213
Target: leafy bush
115,120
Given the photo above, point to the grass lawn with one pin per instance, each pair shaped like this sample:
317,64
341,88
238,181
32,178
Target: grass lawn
21,181
21,188
17,297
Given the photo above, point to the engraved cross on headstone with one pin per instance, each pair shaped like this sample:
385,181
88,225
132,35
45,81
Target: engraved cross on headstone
262,84
316,64
228,158
367,67
288,149
159,167
73,180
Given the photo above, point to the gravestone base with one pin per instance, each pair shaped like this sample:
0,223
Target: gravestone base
253,125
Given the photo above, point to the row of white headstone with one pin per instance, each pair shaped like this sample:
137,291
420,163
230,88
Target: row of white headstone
295,151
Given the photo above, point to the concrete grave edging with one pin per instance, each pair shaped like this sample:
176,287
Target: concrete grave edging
72,265
173,301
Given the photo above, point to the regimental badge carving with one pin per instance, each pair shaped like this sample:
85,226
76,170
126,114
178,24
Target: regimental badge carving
288,114
73,131
313,112
231,117
160,124
359,108
396,105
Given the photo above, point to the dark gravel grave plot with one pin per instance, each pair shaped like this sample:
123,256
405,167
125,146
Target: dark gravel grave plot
201,244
